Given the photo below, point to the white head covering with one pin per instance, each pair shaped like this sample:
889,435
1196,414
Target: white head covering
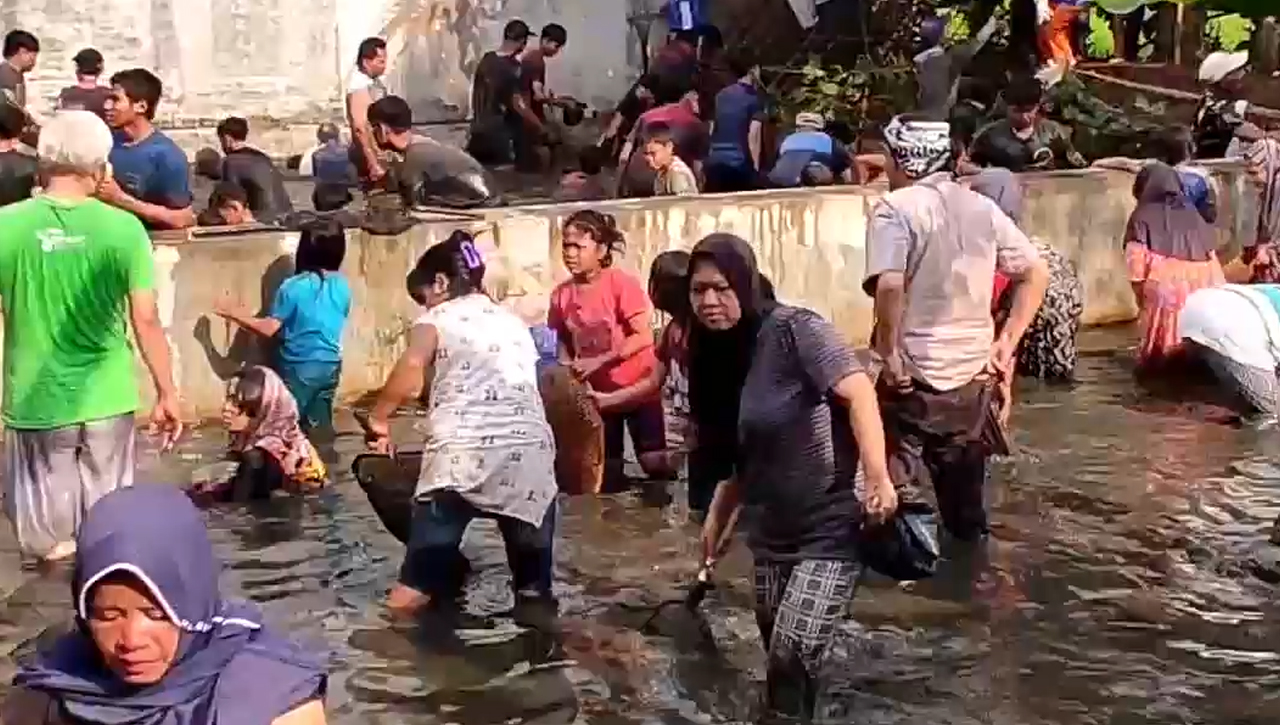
810,121
919,148
1220,64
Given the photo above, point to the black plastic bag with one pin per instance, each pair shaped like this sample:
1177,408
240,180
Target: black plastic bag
904,548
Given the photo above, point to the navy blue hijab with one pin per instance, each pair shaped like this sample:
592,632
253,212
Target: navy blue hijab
228,669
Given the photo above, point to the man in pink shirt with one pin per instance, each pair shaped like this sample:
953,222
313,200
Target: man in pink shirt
933,247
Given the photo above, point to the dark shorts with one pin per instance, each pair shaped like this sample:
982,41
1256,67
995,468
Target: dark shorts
431,562
647,425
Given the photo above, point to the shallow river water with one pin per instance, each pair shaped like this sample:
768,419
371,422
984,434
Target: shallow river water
1114,591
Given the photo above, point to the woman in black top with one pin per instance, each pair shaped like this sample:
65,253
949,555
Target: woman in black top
785,412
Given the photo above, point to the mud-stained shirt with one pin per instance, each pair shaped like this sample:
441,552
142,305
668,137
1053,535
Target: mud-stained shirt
948,242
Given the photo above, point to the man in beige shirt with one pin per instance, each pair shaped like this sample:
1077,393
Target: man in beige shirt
674,177
933,247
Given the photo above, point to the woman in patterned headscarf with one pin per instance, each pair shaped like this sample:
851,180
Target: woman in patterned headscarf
1048,348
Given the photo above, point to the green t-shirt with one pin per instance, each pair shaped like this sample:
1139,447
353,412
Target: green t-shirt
66,269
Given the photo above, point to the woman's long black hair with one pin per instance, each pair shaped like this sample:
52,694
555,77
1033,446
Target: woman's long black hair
457,259
669,284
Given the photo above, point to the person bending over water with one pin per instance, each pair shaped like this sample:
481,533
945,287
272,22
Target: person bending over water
1171,252
1048,349
1235,329
601,319
271,451
789,415
308,313
430,173
490,452
155,641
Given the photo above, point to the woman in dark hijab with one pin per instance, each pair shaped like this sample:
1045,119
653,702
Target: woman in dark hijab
785,414
1171,252
1048,348
156,644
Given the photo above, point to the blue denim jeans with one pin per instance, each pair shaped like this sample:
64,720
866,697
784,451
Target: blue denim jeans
313,386
432,563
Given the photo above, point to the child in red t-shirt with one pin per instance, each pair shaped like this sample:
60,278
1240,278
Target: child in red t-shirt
668,290
601,318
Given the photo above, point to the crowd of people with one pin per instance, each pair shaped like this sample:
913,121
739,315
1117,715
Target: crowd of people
783,428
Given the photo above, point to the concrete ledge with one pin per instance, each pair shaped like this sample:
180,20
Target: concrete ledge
810,243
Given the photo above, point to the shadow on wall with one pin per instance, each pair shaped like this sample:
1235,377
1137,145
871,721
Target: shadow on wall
246,348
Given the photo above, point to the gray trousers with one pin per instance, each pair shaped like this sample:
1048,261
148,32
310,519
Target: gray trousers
1252,390
52,477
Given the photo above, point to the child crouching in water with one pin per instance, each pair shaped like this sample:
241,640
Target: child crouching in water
308,314
267,442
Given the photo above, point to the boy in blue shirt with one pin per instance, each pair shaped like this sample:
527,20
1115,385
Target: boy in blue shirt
308,314
149,171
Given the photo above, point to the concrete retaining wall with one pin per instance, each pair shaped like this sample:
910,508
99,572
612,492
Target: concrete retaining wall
287,60
811,243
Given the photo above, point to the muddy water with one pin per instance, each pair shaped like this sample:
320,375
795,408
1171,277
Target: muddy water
1114,591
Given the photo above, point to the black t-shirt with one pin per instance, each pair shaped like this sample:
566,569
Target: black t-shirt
17,176
94,100
261,180
799,457
497,79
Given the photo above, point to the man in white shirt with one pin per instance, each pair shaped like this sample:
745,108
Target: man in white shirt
364,87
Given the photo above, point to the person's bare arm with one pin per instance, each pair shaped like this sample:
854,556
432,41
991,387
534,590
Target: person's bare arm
644,389
521,103
407,377
265,326
720,517
155,214
1119,163
755,141
639,336
358,103
858,393
890,295
311,713
152,344
1028,271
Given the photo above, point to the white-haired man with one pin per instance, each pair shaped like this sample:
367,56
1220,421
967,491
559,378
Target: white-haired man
74,272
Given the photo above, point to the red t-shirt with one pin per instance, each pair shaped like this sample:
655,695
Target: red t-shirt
590,318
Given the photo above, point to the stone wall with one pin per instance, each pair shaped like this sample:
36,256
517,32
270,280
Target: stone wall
811,243
286,60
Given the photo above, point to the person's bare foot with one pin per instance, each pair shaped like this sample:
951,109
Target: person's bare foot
406,601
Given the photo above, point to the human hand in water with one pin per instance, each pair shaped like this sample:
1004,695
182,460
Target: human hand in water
165,422
881,498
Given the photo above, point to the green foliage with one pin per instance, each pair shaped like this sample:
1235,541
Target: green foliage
851,95
1228,32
